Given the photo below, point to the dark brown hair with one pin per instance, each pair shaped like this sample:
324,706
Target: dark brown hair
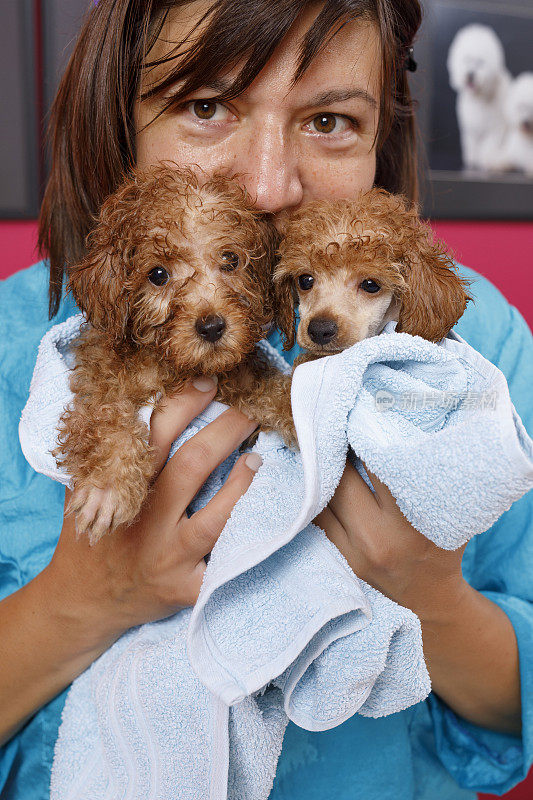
91,130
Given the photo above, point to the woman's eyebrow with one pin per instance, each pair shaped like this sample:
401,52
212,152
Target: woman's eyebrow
340,95
219,85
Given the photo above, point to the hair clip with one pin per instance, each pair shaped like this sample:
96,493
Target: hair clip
410,63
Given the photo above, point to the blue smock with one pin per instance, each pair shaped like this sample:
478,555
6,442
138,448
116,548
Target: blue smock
426,752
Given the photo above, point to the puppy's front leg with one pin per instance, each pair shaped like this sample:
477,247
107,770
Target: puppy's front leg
104,448
264,395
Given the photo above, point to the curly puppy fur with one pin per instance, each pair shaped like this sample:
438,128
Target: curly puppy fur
354,265
177,284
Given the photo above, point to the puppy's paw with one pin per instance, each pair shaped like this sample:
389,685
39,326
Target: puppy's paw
98,511
290,438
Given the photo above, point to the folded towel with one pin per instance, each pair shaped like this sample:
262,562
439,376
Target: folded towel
435,423
282,628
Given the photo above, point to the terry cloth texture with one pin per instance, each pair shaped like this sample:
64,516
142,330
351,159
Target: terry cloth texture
270,558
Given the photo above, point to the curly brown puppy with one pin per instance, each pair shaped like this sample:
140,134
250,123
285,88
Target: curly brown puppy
176,284
354,265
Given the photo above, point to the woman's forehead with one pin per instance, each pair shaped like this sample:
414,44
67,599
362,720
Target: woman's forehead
347,66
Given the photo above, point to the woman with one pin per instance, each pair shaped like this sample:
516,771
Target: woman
299,100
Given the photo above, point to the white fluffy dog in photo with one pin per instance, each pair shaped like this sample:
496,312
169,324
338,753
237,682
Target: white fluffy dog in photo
476,66
518,150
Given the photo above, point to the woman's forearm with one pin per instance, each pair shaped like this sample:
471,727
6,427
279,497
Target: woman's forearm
44,644
472,657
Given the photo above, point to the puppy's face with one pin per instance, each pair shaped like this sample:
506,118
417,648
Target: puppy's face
200,299
341,305
342,275
186,271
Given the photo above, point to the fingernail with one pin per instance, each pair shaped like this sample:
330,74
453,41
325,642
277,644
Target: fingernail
253,461
205,384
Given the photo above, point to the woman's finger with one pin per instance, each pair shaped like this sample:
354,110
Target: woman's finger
383,493
191,465
353,496
201,531
172,415
331,526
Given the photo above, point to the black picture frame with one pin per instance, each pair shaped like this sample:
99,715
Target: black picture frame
457,193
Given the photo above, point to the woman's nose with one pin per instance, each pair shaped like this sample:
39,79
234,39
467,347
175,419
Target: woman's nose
270,171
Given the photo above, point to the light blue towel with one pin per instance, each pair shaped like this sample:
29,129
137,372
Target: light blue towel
282,628
435,423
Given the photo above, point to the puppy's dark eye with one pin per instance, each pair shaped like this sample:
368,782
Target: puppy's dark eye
305,282
370,286
158,276
230,261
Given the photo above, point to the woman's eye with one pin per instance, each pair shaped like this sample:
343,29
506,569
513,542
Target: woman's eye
158,276
230,261
208,110
329,123
305,282
204,109
370,286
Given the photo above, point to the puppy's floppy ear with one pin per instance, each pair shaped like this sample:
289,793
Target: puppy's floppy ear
101,282
284,297
435,296
98,286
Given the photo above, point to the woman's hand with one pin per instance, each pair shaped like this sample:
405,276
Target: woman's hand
384,549
155,566
469,642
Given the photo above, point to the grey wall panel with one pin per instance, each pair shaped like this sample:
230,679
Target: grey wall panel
61,22
19,136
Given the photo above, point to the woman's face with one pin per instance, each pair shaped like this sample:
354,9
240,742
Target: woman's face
286,145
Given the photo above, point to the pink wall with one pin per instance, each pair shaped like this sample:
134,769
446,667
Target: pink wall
18,242
502,251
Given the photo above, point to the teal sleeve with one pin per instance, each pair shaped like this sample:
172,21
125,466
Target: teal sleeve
31,510
498,563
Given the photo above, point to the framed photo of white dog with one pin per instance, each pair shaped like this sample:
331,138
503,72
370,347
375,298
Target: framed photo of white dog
474,88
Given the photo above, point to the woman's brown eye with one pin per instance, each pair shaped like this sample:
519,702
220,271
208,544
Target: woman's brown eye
205,109
325,123
230,261
370,286
305,282
158,276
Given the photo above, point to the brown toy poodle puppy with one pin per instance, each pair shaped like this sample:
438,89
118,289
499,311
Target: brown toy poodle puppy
354,265
177,284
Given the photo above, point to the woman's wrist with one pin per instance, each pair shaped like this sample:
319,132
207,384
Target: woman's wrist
441,603
46,643
84,626
472,657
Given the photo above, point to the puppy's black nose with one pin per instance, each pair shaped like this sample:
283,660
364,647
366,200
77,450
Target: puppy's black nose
322,331
211,328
